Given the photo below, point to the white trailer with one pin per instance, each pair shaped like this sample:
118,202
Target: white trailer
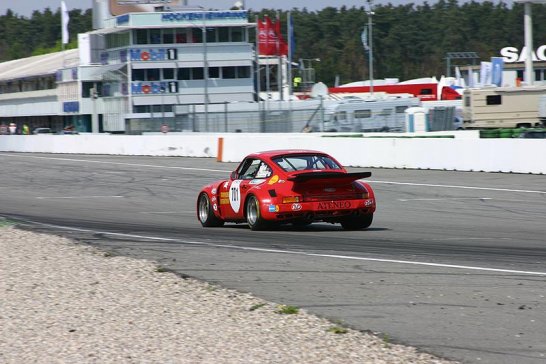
367,115
502,107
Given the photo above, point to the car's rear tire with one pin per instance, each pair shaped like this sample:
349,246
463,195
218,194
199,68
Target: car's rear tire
253,215
357,222
206,215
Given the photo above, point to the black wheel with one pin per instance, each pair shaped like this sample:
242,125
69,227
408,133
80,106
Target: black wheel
253,214
205,214
357,222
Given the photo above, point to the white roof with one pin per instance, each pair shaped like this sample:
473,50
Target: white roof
46,64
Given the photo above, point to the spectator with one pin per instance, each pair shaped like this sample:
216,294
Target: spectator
26,129
4,129
12,128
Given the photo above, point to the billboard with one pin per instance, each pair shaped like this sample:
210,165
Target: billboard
120,7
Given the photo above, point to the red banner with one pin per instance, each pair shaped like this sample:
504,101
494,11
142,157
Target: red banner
270,39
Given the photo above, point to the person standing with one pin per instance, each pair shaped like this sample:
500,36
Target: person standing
26,129
4,129
12,128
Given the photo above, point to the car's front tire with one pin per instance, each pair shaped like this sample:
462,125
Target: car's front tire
206,215
253,215
357,222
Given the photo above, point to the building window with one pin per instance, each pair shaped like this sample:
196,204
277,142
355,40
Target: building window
214,72
138,75
168,36
141,36
184,74
197,35
155,36
197,73
493,100
182,36
223,34
211,35
168,73
229,72
237,34
401,109
152,74
243,72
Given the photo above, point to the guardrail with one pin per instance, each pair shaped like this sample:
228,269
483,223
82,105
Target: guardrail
465,151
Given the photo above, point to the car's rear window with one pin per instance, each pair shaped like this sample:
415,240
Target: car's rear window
301,162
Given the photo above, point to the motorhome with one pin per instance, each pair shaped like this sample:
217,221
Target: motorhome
378,113
502,107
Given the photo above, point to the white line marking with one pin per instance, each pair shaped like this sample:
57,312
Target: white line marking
444,199
119,163
73,197
455,186
167,212
334,256
228,171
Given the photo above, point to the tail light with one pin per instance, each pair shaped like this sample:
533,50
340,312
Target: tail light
291,199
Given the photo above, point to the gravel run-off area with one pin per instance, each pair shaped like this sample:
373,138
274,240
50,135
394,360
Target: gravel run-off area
65,302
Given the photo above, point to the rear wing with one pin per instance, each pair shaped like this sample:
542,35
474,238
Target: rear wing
328,176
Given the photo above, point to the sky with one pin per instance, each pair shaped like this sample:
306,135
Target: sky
26,7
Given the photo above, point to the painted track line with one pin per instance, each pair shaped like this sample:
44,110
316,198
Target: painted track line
301,253
457,186
228,171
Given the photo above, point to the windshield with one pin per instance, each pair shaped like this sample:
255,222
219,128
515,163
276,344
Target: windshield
301,162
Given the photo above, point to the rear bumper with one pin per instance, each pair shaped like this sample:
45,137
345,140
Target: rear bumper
319,210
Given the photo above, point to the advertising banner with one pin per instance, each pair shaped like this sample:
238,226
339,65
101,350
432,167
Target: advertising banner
497,66
120,7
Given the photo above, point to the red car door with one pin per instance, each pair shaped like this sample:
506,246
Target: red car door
233,192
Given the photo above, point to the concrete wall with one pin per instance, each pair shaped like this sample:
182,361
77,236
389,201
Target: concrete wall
464,153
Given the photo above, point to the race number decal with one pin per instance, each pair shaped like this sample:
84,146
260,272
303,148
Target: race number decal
235,195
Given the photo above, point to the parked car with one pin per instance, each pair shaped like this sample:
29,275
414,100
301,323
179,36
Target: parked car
42,131
288,186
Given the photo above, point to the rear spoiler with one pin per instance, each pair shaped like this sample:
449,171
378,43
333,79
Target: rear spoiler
310,176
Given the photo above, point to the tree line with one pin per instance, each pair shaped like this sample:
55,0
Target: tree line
409,41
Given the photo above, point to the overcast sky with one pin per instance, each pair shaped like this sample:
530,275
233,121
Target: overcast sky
26,7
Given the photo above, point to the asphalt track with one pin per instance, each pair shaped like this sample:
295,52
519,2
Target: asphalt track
454,263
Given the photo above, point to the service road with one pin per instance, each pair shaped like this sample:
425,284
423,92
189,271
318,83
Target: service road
454,263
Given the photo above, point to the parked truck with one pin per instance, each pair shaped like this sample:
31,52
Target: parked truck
502,107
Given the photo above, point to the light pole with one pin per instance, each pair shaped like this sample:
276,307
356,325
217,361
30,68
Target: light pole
370,53
205,71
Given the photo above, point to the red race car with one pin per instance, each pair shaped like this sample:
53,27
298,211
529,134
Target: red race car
288,186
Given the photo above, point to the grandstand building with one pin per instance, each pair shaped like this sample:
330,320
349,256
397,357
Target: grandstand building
135,72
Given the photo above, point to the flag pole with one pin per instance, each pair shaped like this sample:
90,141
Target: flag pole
279,60
370,53
290,50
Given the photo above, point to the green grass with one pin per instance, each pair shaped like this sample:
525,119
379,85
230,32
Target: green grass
5,222
256,306
287,310
338,330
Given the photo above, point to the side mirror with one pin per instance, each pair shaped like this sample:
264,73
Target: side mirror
233,175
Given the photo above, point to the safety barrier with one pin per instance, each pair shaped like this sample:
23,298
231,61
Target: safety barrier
464,152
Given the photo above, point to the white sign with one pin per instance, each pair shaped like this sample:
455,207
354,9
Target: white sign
512,54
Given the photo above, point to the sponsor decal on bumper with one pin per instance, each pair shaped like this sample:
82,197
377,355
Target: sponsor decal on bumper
333,205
